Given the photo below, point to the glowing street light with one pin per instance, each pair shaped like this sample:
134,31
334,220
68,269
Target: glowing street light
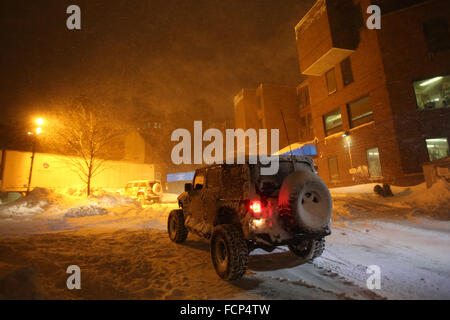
39,121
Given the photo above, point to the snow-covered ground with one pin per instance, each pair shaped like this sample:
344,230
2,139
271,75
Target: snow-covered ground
123,250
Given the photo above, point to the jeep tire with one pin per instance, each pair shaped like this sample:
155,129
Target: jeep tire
308,199
308,249
229,252
175,226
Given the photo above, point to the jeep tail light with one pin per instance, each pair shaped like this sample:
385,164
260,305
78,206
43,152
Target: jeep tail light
255,206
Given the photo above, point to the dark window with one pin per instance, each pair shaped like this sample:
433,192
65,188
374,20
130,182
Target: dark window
433,93
437,35
303,97
360,112
333,122
310,124
347,72
199,181
333,168
302,127
331,81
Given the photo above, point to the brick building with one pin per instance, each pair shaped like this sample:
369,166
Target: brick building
377,100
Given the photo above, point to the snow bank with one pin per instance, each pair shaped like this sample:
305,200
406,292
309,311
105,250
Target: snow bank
85,211
434,202
68,202
361,202
35,203
109,200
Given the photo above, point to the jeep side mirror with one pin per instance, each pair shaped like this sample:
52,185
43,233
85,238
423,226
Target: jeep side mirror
188,187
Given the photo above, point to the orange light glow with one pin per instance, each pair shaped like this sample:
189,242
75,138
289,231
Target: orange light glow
39,121
255,206
38,130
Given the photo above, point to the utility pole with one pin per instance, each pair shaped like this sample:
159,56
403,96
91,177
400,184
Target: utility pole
39,122
31,165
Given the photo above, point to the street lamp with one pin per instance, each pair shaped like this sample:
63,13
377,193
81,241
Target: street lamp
38,131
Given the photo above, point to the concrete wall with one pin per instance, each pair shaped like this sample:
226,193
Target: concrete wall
55,171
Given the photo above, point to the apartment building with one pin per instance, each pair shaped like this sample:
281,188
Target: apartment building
375,104
276,107
379,99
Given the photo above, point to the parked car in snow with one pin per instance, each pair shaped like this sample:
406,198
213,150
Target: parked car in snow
145,191
239,210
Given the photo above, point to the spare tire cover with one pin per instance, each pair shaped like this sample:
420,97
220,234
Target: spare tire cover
308,198
157,188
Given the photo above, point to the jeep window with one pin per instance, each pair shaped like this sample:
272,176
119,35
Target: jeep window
199,181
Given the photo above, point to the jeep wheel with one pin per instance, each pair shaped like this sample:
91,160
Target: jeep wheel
175,226
229,252
308,249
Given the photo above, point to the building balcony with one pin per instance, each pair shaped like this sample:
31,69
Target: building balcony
327,35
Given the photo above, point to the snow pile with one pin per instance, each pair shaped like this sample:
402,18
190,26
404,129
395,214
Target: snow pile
109,200
433,202
68,202
85,211
35,203
361,202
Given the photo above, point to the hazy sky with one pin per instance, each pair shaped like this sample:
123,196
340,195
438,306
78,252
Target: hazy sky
146,56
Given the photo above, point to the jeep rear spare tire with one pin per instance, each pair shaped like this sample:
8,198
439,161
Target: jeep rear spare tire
229,252
175,226
308,199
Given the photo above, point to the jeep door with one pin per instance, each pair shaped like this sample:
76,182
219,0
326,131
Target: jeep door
196,206
212,194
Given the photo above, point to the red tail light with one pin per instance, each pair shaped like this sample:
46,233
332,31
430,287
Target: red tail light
255,206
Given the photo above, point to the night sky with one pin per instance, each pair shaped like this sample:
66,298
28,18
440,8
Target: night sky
169,59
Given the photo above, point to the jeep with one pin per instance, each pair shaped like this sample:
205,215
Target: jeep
144,191
238,210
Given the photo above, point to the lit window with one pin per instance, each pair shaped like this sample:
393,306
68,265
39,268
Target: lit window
331,81
433,93
333,122
437,148
360,112
374,164
347,73
333,168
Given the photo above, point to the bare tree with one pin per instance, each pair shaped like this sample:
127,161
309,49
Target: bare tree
89,136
